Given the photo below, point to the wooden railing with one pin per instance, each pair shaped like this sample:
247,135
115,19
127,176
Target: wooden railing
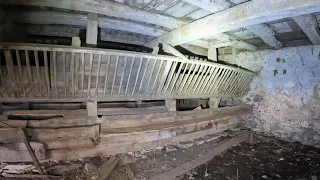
33,72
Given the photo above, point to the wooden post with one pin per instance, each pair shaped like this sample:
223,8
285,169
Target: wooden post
250,140
92,108
214,102
76,42
92,29
212,54
171,104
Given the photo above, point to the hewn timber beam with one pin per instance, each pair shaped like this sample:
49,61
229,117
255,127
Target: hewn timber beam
309,25
108,8
211,6
70,31
243,15
266,34
81,20
233,42
59,18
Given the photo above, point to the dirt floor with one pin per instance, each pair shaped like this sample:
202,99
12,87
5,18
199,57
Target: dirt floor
268,158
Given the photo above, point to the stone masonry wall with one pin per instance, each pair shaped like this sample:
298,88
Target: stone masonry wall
285,95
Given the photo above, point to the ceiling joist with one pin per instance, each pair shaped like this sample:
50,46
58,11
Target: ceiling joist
309,25
243,15
266,34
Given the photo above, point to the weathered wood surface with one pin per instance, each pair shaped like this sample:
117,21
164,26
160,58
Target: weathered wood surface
18,152
107,167
12,135
127,123
127,111
119,146
170,175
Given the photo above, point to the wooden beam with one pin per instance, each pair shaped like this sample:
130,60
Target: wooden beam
266,34
169,49
233,42
243,15
108,8
309,25
76,19
211,6
92,29
195,49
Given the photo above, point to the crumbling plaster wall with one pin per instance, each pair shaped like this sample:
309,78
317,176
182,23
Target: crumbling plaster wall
285,94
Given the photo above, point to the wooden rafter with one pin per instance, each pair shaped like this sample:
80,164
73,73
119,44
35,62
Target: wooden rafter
266,34
309,25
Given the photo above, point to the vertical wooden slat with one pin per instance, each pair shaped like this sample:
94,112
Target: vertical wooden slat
54,57
129,78
10,69
64,73
46,69
82,74
20,72
2,80
190,79
90,74
143,75
185,79
206,81
98,73
157,75
72,72
176,78
223,75
215,80
107,72
182,78
204,77
38,70
152,70
170,77
138,73
224,85
238,83
122,75
115,74
233,83
201,79
196,80
165,75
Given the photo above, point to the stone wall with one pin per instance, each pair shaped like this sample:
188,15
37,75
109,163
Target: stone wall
285,94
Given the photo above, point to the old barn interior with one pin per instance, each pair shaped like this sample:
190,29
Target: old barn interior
160,89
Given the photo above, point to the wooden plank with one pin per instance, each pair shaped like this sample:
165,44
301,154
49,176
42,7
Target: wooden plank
131,146
203,159
243,15
18,152
129,171
107,167
32,154
171,104
12,135
92,109
127,111
29,176
154,120
266,34
309,25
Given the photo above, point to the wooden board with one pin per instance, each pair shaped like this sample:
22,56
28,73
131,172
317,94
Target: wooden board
125,147
126,111
11,135
125,122
18,152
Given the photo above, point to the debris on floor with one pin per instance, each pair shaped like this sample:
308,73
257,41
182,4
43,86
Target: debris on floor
267,158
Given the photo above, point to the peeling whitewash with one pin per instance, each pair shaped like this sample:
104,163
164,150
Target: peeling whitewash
285,95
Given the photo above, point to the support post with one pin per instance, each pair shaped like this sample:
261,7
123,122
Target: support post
92,29
92,108
76,42
212,54
171,104
214,102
